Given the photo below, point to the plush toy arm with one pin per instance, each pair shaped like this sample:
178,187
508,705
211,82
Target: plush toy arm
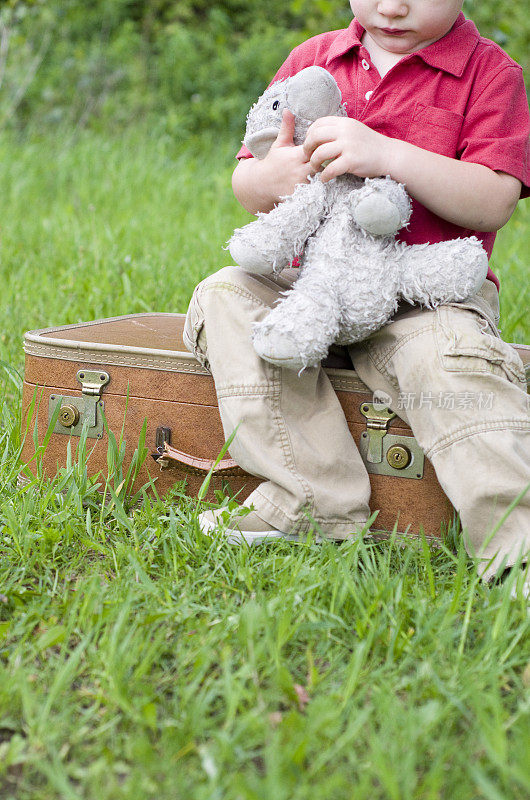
381,207
299,330
275,239
446,272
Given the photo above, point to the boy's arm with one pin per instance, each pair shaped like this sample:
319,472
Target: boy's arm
467,194
259,184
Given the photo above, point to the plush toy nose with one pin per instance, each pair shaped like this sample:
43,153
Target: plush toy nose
260,143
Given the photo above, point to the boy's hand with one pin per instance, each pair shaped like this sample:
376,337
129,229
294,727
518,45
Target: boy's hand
259,184
352,147
286,163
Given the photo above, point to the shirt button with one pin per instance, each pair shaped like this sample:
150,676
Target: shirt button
365,64
368,95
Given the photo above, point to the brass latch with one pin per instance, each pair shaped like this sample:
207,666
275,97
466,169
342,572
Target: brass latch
92,381
84,411
377,420
386,453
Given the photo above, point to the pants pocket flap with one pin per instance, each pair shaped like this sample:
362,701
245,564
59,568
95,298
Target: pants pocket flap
464,345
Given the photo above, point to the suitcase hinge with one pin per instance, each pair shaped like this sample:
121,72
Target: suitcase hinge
385,453
377,420
92,381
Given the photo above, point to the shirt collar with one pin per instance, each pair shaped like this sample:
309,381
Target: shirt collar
451,53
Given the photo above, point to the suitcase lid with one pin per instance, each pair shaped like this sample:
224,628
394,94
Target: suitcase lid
116,337
148,341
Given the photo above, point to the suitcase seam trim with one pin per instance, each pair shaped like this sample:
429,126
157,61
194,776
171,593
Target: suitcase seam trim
96,357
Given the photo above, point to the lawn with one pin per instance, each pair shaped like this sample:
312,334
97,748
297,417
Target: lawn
139,659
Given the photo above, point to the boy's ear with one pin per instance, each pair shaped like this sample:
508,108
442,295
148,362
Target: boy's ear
313,93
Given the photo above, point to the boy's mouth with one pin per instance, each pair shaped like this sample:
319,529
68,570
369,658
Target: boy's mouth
394,31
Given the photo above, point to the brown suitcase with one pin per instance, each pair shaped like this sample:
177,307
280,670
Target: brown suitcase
134,368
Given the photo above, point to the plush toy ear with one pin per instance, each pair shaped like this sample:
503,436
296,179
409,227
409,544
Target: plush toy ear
313,93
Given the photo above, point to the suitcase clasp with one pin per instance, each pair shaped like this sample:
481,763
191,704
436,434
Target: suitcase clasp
385,453
78,412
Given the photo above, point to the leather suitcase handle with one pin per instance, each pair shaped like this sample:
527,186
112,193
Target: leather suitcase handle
171,458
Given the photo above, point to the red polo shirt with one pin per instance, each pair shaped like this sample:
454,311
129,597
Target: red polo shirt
461,96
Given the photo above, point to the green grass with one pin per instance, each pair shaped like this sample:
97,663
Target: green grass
95,227
139,659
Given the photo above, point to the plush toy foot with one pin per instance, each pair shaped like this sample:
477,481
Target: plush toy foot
282,351
377,215
248,258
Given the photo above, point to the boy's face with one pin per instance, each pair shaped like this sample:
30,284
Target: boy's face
404,26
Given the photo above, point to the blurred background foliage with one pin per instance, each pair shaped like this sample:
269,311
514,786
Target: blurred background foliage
192,64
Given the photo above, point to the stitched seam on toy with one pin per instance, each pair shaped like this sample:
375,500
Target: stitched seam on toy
467,431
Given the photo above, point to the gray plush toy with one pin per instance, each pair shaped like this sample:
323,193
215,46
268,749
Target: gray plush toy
352,271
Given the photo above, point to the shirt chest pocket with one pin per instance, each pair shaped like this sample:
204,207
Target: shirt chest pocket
435,129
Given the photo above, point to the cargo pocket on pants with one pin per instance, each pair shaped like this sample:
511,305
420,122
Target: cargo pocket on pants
464,345
194,335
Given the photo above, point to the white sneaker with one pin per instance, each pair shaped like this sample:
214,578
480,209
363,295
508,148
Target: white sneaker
525,590
239,528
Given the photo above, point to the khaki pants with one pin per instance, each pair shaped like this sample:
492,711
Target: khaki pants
449,375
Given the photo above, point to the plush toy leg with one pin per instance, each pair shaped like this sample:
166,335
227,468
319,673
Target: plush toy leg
298,332
381,207
275,239
442,273
369,292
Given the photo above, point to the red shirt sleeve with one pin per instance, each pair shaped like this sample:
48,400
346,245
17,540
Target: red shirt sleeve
496,127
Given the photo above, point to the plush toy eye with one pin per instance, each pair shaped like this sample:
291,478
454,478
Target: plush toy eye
276,105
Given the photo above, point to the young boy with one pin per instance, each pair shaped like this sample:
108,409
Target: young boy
443,111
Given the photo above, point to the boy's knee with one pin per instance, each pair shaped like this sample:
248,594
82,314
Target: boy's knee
194,334
220,314
225,278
